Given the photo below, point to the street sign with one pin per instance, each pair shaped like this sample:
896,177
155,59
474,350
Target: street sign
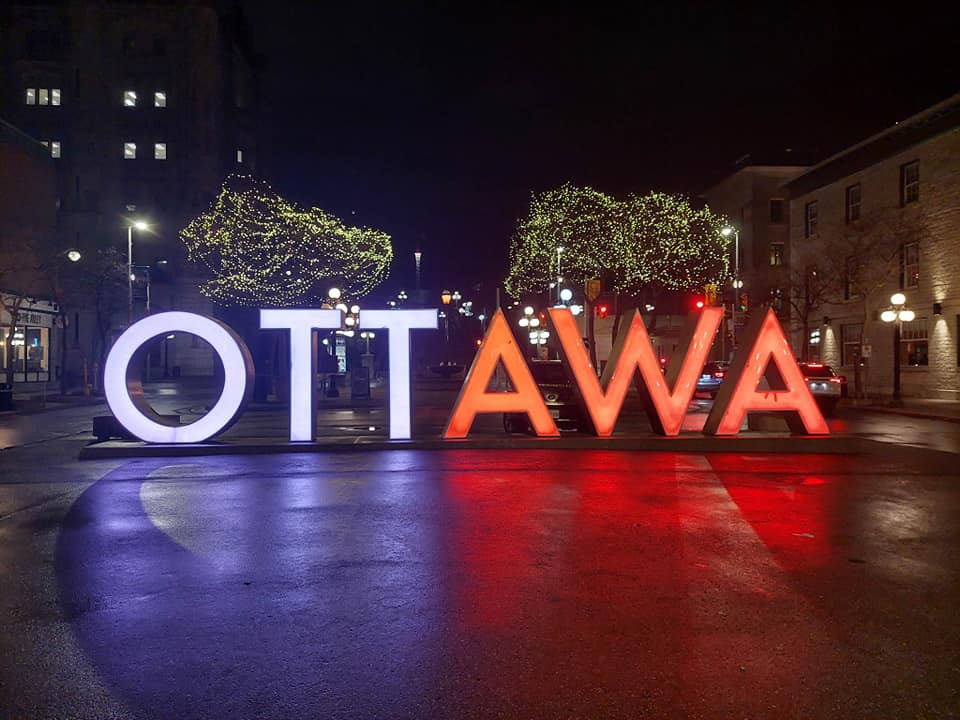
593,289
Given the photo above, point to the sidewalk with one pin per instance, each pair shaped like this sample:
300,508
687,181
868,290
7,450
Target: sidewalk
946,410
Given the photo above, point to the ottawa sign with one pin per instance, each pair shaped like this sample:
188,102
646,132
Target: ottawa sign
764,353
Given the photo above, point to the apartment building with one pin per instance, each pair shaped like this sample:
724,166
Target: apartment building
144,107
879,218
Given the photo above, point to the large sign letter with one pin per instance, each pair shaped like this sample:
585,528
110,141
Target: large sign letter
499,345
769,356
124,390
303,361
665,397
399,323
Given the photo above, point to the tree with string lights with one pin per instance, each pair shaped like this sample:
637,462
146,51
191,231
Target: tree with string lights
263,251
641,245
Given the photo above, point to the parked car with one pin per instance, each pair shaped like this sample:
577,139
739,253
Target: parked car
825,385
711,376
558,394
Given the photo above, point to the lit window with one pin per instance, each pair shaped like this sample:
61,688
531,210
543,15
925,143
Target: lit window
239,156
55,96
159,99
853,203
910,265
44,96
909,182
810,219
850,337
159,151
129,151
776,254
914,343
129,98
55,148
31,96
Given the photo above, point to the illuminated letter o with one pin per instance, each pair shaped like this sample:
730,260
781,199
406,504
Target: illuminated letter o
124,390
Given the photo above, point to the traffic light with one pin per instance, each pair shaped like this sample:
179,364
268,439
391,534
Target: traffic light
743,302
602,310
699,303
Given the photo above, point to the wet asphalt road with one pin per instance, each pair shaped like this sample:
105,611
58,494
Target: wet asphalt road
461,584
478,584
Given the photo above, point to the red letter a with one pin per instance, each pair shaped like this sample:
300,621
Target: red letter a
738,394
499,345
665,397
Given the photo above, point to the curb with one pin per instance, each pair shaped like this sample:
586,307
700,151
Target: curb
909,413
775,444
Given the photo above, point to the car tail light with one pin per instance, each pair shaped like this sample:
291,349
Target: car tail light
718,374
839,380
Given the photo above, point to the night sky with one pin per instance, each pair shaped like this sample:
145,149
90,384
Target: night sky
434,124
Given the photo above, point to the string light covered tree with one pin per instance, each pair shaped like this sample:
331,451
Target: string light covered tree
264,251
643,243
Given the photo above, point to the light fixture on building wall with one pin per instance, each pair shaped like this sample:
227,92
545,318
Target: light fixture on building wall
826,320
938,308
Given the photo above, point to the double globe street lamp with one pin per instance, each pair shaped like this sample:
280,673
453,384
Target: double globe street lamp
897,313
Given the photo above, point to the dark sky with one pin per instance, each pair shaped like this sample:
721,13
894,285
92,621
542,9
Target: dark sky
434,123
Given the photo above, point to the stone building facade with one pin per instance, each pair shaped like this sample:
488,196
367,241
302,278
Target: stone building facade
145,108
883,217
758,206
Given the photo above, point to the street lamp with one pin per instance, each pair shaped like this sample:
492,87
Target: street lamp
368,335
445,297
727,231
73,255
334,293
566,295
898,314
559,277
139,225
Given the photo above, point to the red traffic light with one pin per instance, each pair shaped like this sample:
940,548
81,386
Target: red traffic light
602,310
699,304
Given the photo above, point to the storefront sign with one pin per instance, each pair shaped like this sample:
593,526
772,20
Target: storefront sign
764,375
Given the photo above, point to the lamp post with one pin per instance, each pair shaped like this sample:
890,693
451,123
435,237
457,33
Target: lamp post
897,314
139,225
737,282
559,275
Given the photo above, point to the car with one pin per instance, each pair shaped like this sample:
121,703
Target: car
559,395
711,376
825,385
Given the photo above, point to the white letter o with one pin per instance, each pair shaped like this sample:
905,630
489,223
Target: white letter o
124,391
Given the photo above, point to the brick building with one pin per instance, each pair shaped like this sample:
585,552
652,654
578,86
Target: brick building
881,217
145,108
30,324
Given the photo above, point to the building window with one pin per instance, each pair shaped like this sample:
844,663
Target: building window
28,352
853,203
909,265
810,219
776,254
129,151
55,148
159,151
850,266
239,156
55,96
850,338
910,182
776,211
31,96
159,99
129,98
44,96
913,342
